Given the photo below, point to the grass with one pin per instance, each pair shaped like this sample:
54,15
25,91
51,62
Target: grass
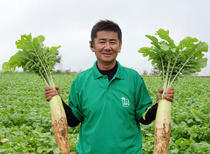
25,116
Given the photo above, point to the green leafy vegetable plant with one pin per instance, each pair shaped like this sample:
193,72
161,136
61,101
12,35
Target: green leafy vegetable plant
172,61
33,56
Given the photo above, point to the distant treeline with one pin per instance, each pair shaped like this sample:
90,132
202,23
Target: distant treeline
56,72
65,72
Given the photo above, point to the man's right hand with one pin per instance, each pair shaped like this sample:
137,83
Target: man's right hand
50,92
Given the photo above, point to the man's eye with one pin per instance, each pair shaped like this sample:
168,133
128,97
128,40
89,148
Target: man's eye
113,42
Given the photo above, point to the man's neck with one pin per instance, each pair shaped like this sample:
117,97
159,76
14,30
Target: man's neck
106,67
110,73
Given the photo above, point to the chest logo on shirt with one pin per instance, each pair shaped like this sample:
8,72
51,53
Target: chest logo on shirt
125,102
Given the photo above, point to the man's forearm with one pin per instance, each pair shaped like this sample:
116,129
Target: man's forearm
149,115
71,119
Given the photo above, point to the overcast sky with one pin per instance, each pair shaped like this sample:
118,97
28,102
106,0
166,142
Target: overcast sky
68,23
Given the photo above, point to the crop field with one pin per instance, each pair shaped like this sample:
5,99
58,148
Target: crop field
25,122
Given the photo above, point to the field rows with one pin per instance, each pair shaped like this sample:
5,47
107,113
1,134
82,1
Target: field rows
25,124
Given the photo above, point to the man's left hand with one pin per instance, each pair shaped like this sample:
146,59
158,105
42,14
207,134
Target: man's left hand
169,94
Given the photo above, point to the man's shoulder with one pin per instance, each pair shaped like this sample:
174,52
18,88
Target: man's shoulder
130,71
83,74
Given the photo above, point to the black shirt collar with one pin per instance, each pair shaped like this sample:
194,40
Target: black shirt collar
110,73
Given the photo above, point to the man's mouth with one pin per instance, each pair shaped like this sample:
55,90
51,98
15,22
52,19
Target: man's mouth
106,53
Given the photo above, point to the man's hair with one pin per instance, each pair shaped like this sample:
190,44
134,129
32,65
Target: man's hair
106,25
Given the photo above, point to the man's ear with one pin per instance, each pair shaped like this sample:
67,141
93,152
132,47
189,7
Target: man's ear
120,46
91,44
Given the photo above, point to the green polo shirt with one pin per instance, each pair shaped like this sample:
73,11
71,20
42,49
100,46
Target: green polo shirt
109,111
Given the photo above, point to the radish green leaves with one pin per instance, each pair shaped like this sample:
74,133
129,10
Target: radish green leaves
174,60
33,56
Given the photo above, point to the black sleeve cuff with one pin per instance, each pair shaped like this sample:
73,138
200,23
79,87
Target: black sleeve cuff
71,119
150,115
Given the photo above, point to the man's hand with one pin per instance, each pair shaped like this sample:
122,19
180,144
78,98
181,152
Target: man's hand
169,94
50,92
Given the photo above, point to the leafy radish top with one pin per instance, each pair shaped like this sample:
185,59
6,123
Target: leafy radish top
175,60
33,56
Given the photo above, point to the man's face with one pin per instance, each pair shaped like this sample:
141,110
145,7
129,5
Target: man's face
106,46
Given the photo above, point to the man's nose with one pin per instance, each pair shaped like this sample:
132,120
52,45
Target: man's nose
107,46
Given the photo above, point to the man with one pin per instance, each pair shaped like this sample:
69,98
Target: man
109,100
